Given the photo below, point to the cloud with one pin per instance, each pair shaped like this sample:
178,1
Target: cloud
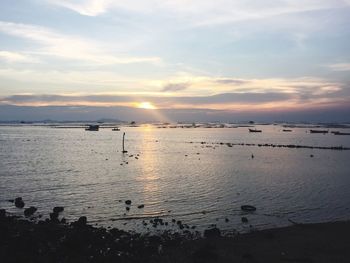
201,12
173,87
219,101
69,47
231,81
88,8
340,67
13,57
110,82
247,101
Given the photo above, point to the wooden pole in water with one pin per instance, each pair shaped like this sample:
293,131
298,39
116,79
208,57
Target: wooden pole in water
123,143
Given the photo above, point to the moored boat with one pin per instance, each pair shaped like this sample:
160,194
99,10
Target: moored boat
340,133
92,128
254,130
319,131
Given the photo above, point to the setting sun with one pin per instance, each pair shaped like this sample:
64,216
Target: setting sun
146,105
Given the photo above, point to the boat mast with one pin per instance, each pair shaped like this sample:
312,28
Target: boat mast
123,143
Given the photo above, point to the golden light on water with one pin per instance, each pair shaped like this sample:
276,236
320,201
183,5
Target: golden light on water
146,105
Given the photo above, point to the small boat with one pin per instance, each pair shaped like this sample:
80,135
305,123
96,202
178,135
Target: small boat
286,130
115,129
340,133
248,208
319,131
92,128
254,130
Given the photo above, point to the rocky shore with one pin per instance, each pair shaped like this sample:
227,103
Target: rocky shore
55,241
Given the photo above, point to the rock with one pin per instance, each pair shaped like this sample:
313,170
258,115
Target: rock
81,222
140,206
58,209
248,208
54,217
226,220
244,219
213,232
19,202
30,211
128,202
2,213
11,200
127,208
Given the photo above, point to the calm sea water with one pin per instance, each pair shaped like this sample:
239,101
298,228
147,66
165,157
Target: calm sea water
200,184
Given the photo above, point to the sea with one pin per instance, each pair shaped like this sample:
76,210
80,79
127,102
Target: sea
198,175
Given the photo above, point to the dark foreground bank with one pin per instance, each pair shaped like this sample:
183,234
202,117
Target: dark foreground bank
50,241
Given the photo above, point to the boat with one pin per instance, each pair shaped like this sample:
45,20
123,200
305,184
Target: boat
92,128
286,130
254,130
248,208
116,129
340,133
319,131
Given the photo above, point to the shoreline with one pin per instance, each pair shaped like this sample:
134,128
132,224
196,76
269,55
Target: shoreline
52,241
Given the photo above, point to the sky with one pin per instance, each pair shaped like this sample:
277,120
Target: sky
175,60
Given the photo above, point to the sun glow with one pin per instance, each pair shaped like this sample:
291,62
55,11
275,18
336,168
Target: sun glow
146,105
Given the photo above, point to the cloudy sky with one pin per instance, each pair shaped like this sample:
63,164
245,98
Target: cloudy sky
223,56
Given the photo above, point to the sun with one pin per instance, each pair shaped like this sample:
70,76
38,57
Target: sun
146,105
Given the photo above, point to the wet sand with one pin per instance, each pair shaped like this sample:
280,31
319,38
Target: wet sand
51,241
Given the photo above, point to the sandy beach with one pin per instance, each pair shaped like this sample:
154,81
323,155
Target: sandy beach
52,241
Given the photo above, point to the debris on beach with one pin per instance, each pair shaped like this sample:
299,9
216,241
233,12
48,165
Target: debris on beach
128,202
140,206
